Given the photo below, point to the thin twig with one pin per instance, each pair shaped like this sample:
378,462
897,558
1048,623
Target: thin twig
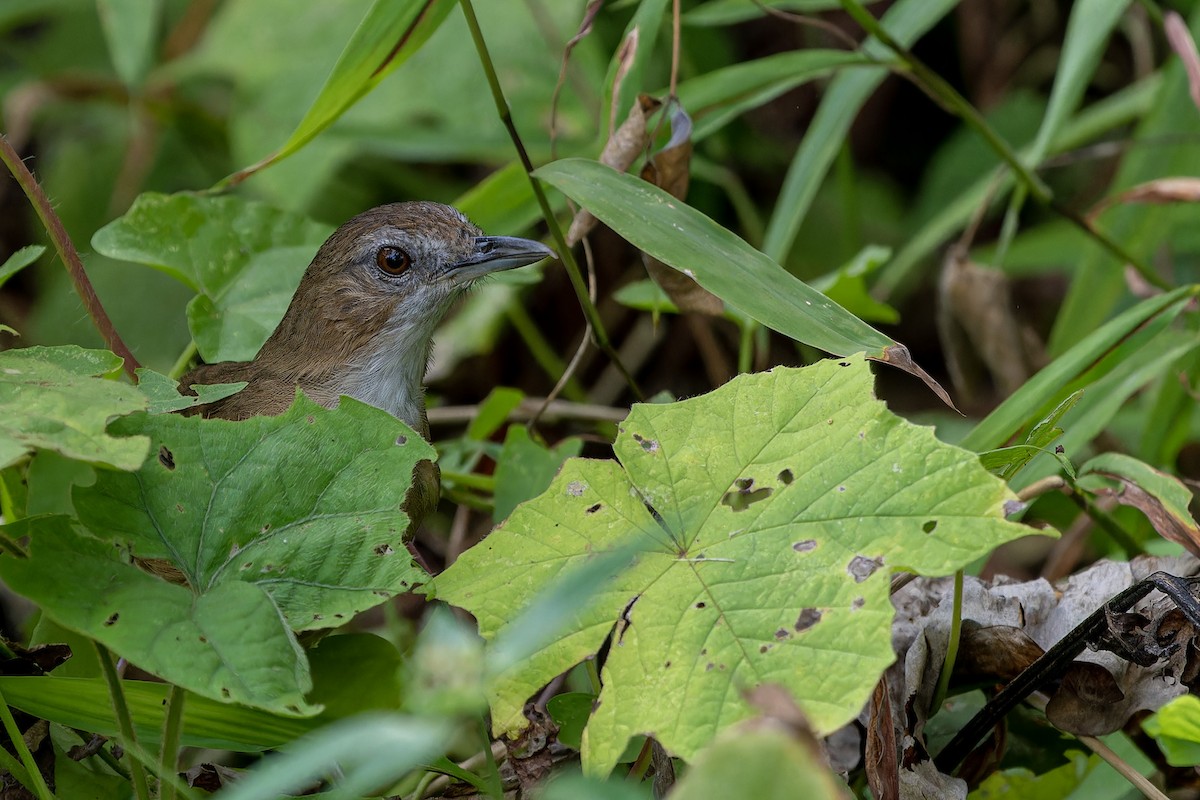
564,252
141,787
68,254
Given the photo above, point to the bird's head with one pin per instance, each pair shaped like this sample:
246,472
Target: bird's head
361,320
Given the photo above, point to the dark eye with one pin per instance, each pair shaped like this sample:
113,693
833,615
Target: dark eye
392,260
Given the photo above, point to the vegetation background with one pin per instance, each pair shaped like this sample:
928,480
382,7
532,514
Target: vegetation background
991,198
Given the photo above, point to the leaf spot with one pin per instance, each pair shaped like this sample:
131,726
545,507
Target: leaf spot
786,477
857,603
166,457
930,526
248,565
401,440
808,617
782,634
649,445
709,666
805,546
384,549
179,507
310,419
594,509
764,648
843,363
576,488
667,665
225,692
112,619
743,494
1012,507
701,604
841,488
861,567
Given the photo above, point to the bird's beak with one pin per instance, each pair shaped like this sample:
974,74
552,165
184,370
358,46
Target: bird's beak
498,253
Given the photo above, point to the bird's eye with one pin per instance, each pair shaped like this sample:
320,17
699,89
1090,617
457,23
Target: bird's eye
392,260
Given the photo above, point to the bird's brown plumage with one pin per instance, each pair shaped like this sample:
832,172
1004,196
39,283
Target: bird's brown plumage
354,328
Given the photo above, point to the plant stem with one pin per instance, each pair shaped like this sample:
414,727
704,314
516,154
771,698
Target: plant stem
29,775
470,480
141,787
69,255
946,95
943,684
590,312
172,731
181,364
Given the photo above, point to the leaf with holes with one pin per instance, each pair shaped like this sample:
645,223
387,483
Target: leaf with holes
767,516
292,522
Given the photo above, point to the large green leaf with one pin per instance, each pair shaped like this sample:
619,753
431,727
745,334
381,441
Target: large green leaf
306,505
767,516
243,258
720,261
53,398
229,643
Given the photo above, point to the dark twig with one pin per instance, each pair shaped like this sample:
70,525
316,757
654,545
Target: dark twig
68,254
1055,660
590,312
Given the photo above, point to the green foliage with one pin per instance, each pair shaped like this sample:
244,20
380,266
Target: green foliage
762,514
741,538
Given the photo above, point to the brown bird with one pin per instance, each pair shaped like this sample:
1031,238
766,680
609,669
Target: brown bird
362,319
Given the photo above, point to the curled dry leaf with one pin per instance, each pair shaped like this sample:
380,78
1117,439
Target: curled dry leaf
1157,192
668,170
620,151
1163,498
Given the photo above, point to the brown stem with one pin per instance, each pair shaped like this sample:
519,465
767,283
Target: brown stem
68,254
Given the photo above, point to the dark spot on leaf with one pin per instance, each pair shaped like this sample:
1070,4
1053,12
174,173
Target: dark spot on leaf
781,634
203,640
786,477
649,445
381,593
744,495
248,565
841,488
701,604
857,603
268,568
930,526
805,546
265,528
225,692
401,440
843,363
861,567
179,507
667,665
384,549
720,666
709,666
594,509
339,616
295,709
808,617
310,419
166,457
112,618
704,652
318,617
1059,449
576,488
764,648
862,434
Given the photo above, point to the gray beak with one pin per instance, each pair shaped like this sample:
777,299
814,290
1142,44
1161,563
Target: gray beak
498,253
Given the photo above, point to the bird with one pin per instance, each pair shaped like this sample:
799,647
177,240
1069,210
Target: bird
362,320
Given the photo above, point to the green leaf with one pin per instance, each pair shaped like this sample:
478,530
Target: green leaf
767,516
1006,462
388,35
163,392
369,751
715,98
847,286
1176,727
229,643
84,703
570,711
493,411
243,258
645,295
53,398
1050,385
727,12
525,468
1163,498
130,29
905,20
720,261
766,763
19,261
305,505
